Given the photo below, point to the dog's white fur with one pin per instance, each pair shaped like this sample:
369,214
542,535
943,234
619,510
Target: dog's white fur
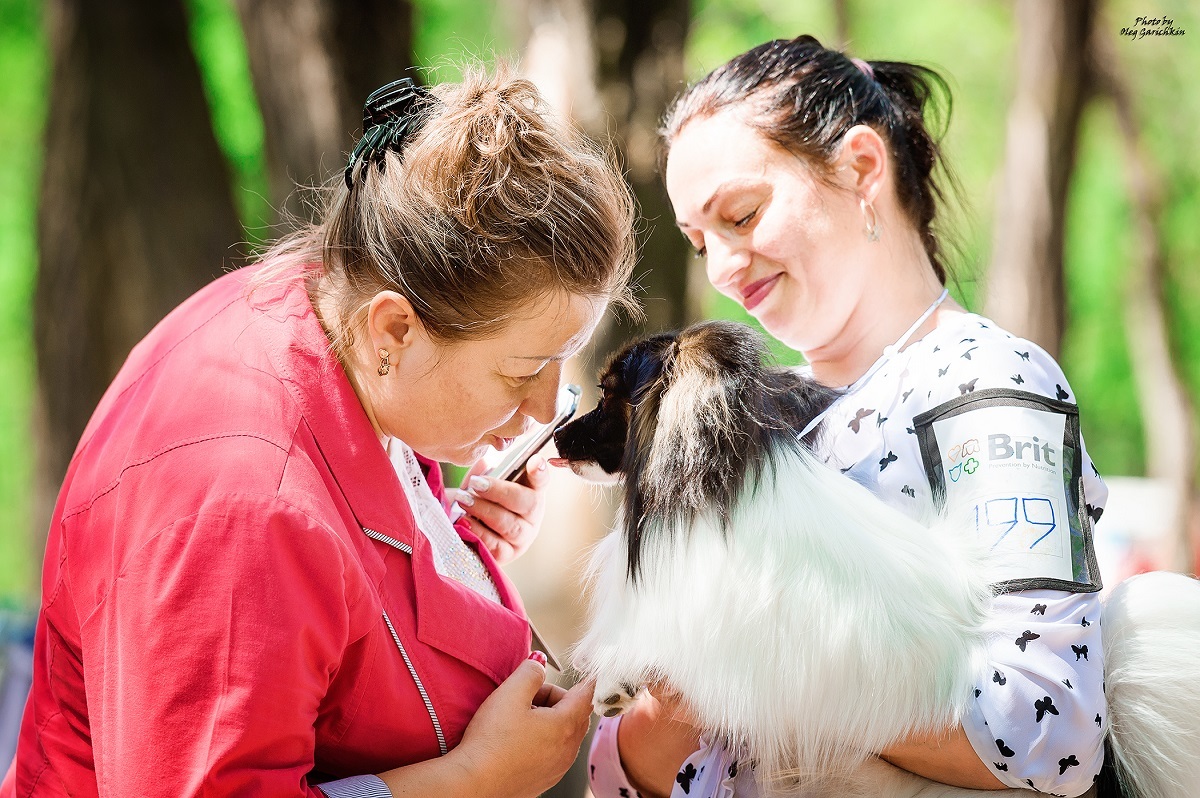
1152,672
822,626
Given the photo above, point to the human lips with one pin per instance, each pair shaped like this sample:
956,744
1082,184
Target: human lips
757,291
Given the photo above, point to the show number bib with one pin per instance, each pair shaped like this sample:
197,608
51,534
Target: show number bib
1007,466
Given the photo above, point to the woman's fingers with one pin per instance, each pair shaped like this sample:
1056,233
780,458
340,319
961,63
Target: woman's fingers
549,695
524,745
521,500
501,550
506,515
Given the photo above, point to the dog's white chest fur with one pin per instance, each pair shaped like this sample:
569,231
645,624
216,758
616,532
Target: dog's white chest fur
819,626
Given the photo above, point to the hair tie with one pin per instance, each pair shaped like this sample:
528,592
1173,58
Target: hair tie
864,67
392,115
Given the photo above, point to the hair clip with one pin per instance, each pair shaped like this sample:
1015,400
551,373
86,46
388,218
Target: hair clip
863,67
391,116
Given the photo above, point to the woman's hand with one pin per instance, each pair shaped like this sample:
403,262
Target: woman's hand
654,739
505,515
520,742
526,734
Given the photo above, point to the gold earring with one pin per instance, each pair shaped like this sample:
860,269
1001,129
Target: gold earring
384,365
872,221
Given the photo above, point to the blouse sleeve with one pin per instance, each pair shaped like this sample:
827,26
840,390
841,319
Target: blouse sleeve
712,771
209,657
1038,719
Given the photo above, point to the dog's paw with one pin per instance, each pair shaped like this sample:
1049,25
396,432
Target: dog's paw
614,698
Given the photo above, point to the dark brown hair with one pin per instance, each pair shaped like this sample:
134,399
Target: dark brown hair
805,97
492,204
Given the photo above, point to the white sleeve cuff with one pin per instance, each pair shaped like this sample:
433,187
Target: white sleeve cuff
356,787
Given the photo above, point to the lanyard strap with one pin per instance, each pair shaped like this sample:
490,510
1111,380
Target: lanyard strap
888,352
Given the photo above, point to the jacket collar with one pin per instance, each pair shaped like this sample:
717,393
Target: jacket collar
304,359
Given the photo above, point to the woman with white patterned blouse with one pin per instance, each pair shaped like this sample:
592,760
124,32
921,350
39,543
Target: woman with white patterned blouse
805,179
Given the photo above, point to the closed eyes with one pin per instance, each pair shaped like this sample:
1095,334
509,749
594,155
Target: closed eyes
745,220
519,381
740,224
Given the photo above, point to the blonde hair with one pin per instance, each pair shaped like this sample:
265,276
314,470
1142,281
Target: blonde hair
493,204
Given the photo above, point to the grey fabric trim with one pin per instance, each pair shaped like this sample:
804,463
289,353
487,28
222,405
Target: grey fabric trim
437,726
382,538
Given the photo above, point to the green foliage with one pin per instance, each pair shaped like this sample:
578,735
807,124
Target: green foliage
22,112
220,48
447,33
1098,250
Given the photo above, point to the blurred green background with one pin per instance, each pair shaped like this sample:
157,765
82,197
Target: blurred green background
973,43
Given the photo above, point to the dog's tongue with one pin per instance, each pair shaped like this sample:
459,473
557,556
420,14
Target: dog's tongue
559,462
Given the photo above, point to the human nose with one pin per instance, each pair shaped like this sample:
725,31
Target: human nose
724,260
542,402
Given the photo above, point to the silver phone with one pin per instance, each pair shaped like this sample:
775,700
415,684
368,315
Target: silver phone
510,463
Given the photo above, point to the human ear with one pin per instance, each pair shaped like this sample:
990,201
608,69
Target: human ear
392,323
862,162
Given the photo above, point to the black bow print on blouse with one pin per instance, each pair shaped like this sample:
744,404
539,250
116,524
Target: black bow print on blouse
391,116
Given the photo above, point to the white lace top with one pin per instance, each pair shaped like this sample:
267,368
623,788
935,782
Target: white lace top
452,557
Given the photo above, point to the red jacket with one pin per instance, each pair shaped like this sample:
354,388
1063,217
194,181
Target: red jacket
215,617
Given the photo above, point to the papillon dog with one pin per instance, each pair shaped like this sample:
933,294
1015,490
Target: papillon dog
798,617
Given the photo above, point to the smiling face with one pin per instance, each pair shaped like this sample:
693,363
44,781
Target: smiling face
776,238
450,402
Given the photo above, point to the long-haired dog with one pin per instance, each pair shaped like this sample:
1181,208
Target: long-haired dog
798,617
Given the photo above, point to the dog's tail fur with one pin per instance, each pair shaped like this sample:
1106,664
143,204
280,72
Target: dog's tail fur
1152,683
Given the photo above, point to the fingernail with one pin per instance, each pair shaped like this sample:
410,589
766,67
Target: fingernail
480,484
538,657
541,466
465,499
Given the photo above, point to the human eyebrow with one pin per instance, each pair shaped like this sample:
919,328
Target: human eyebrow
717,192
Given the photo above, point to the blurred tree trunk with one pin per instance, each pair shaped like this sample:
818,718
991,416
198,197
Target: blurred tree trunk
135,212
1025,280
639,45
313,63
1167,413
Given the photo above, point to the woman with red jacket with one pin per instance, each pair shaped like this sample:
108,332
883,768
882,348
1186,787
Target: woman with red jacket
251,586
